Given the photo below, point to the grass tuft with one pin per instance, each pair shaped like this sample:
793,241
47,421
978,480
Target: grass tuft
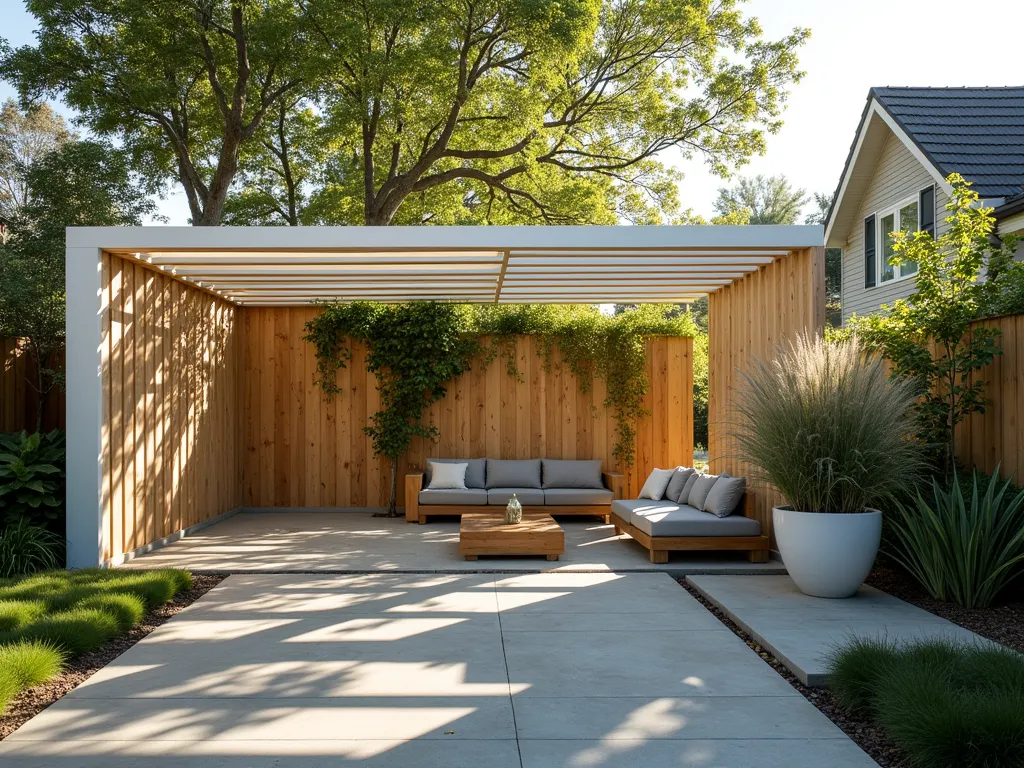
946,704
30,663
127,609
77,631
18,613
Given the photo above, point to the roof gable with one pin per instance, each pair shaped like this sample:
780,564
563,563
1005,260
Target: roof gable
976,132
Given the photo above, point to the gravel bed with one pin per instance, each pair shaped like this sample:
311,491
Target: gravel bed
865,735
1003,623
32,701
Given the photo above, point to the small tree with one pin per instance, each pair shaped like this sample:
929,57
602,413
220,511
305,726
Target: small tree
928,336
81,183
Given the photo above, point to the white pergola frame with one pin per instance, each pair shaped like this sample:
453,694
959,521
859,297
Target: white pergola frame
296,266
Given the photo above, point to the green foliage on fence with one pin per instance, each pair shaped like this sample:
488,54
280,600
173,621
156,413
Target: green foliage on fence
415,349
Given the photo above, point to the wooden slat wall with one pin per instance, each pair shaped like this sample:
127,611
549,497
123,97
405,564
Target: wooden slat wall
18,397
302,450
746,320
995,438
171,377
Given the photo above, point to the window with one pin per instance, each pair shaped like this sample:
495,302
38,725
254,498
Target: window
905,217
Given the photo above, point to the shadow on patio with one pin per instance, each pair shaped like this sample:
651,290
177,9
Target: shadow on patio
563,669
351,541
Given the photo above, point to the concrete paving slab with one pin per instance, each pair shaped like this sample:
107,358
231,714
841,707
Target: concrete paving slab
707,717
801,631
243,719
722,753
425,671
295,540
675,664
295,753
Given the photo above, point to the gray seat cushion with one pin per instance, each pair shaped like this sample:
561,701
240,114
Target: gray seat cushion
474,496
625,508
569,496
510,473
685,520
528,497
568,473
474,471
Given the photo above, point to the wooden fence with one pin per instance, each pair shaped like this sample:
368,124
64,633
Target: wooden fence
995,438
19,399
303,450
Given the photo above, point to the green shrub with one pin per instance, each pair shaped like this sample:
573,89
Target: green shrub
127,609
8,689
946,704
823,423
18,613
30,663
77,631
32,476
964,545
26,548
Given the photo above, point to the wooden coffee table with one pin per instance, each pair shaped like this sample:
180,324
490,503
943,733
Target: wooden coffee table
487,533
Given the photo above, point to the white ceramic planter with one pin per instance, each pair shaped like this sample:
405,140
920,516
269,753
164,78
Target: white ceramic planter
827,555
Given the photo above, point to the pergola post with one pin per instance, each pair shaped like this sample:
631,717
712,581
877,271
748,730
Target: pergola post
85,316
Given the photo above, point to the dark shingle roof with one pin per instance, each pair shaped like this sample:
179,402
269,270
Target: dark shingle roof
976,132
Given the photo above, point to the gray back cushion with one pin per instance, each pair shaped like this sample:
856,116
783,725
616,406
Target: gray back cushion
684,495
678,482
725,496
701,488
474,472
506,473
563,473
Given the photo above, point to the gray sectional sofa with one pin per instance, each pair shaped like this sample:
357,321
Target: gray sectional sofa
556,486
676,524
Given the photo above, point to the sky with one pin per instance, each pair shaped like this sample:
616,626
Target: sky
853,47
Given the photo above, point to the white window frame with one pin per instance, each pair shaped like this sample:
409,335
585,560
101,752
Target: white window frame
880,239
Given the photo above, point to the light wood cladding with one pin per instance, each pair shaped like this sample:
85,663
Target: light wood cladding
747,320
995,438
171,456
304,450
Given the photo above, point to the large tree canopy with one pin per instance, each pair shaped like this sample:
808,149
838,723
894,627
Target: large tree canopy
24,138
185,84
444,111
768,199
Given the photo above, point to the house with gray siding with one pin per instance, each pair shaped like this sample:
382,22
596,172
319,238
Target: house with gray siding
908,142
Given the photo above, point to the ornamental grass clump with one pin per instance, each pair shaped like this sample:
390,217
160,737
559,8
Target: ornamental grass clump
964,545
826,426
946,704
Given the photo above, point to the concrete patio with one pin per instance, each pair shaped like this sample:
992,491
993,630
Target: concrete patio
400,670
355,541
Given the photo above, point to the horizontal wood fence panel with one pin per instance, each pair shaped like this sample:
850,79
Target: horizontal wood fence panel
746,321
19,393
170,383
303,449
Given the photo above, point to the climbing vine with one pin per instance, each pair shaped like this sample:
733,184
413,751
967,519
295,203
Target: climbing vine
415,349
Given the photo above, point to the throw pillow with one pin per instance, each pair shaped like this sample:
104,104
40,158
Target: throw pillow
565,473
678,482
684,495
657,482
725,495
701,489
448,476
474,474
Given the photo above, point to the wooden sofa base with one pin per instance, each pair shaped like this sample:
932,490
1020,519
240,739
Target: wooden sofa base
423,511
658,547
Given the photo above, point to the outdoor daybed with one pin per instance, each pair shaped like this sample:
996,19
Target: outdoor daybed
687,516
554,486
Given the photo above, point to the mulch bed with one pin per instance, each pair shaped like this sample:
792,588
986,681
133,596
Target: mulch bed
865,735
1003,623
32,701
